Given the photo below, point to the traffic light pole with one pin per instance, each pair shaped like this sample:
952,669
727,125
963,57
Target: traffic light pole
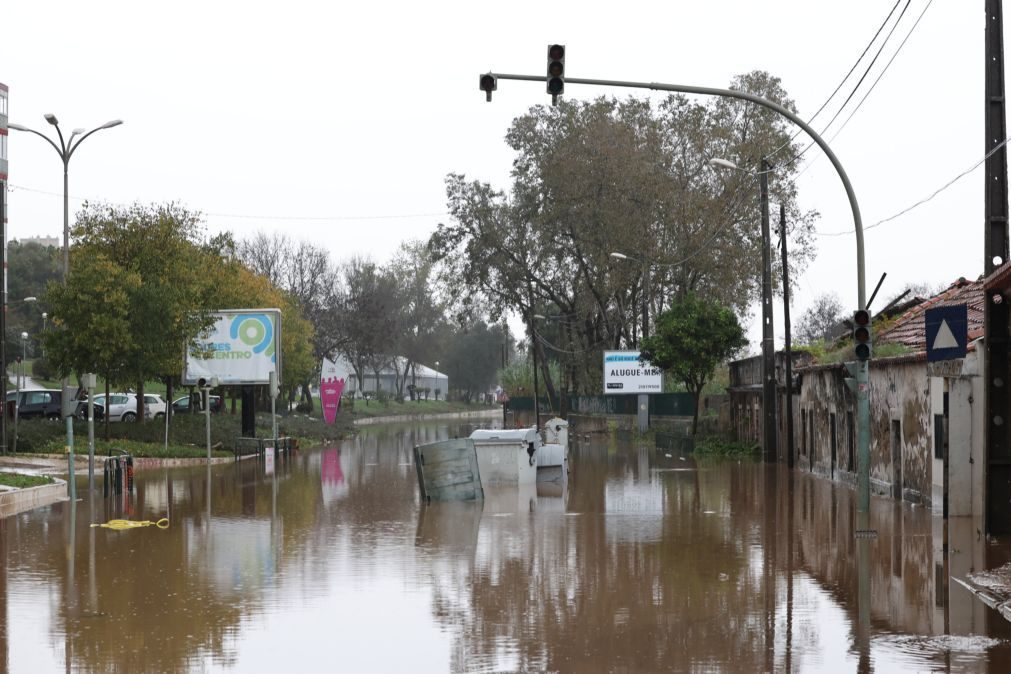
862,369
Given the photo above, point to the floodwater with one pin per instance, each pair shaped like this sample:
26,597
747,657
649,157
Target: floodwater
643,561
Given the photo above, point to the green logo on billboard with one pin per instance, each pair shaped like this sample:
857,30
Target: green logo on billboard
256,331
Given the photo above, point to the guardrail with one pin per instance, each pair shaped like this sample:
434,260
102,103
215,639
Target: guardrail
259,446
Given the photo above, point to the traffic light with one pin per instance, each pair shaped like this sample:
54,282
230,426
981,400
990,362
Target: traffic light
556,70
862,334
488,84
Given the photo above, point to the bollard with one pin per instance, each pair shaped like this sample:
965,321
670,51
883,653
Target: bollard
118,476
129,474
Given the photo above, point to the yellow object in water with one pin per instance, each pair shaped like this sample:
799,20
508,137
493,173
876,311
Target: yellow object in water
120,525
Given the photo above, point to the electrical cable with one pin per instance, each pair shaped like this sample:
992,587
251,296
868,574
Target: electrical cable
317,218
862,78
841,82
925,199
882,73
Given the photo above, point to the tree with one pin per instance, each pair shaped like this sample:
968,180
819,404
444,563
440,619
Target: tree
305,272
820,319
91,330
370,313
422,313
240,288
592,178
472,358
692,338
166,301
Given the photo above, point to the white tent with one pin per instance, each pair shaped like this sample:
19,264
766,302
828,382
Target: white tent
421,376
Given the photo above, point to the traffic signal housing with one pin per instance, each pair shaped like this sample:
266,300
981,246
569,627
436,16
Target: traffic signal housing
488,84
862,334
556,70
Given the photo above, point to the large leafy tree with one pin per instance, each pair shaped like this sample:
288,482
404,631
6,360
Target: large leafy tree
154,263
629,176
692,337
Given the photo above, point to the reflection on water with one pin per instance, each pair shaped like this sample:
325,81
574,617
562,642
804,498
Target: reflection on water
642,560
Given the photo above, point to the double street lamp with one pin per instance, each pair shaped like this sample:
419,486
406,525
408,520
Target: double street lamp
66,149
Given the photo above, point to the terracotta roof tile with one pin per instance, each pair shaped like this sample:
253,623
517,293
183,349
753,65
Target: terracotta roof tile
909,329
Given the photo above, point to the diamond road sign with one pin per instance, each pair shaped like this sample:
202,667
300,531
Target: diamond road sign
947,332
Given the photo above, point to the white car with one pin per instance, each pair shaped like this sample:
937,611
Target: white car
123,406
154,406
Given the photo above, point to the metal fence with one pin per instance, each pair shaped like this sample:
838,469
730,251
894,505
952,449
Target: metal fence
661,404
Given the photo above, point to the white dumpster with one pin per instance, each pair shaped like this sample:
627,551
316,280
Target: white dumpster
507,456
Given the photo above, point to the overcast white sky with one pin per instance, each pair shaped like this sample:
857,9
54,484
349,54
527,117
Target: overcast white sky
337,122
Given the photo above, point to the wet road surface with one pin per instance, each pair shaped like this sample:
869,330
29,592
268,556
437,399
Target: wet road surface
643,561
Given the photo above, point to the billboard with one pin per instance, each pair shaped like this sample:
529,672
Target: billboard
242,346
623,373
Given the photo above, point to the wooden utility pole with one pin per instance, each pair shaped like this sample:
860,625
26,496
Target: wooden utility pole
996,365
787,340
768,344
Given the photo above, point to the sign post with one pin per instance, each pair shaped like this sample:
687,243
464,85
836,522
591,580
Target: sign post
947,330
626,372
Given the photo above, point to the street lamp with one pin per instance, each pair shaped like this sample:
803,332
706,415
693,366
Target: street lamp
66,150
24,356
645,290
768,344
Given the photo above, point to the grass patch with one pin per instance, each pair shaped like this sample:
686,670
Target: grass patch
139,449
715,446
19,481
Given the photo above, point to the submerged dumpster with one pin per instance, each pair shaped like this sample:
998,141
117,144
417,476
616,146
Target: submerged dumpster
448,471
507,456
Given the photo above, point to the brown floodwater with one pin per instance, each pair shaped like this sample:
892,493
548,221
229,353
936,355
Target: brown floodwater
642,561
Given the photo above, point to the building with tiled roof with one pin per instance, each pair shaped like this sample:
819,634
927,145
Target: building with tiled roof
909,328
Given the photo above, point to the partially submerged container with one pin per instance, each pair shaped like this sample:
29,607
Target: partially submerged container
553,455
507,456
448,471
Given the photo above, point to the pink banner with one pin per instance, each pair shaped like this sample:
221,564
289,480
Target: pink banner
330,397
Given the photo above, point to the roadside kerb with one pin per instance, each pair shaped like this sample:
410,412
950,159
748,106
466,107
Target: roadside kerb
14,501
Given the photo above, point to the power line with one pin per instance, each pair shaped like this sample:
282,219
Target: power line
925,199
317,218
882,74
867,72
841,82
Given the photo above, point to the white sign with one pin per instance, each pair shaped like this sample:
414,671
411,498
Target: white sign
623,373
241,347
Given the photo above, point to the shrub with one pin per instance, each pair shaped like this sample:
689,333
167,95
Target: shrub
42,369
715,446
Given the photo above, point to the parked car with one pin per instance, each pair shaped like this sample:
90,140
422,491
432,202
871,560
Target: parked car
121,407
37,403
182,405
154,406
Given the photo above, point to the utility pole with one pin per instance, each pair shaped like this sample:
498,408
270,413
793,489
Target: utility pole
3,315
787,343
995,313
768,344
642,413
